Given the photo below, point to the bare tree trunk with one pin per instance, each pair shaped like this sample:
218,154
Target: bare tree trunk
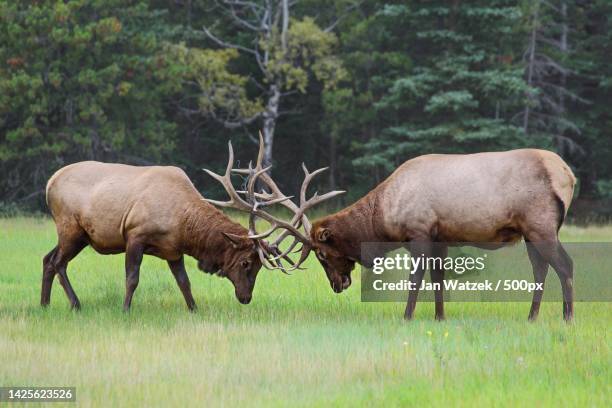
269,125
272,106
530,66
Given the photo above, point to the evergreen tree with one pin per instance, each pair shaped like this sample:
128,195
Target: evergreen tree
82,80
432,77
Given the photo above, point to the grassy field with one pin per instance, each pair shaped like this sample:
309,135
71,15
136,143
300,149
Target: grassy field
296,344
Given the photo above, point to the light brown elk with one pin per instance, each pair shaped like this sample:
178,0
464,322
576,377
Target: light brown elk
483,198
489,199
154,210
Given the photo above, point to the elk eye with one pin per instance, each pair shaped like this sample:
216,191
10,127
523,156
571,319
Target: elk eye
244,263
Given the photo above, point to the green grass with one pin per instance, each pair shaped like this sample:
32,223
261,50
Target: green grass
297,343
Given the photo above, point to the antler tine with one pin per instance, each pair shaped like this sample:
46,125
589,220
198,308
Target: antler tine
259,172
284,255
300,214
235,200
305,204
288,250
276,224
252,205
266,262
254,174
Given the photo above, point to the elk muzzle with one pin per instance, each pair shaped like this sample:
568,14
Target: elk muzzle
338,281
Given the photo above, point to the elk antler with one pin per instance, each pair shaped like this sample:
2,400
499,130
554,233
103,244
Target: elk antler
277,196
252,206
238,203
270,253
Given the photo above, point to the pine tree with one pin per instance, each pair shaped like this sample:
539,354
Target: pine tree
449,83
83,80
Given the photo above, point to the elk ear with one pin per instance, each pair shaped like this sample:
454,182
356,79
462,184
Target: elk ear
324,234
234,240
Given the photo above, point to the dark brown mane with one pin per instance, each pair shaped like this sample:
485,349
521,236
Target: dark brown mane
202,231
357,223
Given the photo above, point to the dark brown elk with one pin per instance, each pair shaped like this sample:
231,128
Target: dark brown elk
154,210
486,198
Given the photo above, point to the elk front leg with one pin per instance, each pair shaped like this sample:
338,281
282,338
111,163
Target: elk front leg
417,249
178,270
133,259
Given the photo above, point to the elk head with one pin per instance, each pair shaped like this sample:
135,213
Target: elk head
238,262
330,251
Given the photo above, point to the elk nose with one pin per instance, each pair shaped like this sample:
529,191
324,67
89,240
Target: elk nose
346,281
245,300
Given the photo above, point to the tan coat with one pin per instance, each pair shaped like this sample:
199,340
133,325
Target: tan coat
113,201
144,210
485,198
482,197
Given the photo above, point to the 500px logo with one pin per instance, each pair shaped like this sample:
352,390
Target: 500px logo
406,262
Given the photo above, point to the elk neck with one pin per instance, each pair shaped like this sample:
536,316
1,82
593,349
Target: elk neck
202,230
358,223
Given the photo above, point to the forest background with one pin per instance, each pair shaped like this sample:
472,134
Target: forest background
359,86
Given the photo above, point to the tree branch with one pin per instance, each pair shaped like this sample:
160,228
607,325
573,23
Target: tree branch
242,22
234,124
346,11
251,137
225,44
252,5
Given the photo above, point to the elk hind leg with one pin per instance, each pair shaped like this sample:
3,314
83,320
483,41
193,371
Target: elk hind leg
47,279
437,278
133,258
68,248
417,249
540,270
548,246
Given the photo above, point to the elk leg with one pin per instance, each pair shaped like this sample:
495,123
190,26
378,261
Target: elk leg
47,279
557,257
416,277
133,259
564,266
540,270
437,277
178,270
65,253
